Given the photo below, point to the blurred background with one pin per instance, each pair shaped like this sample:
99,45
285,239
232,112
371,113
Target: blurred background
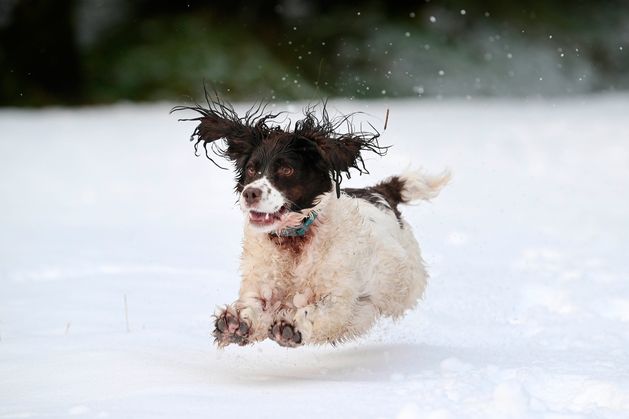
77,52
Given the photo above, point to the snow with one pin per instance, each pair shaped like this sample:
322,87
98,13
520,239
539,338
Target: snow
527,313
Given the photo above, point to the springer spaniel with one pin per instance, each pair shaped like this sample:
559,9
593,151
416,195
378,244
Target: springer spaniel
319,264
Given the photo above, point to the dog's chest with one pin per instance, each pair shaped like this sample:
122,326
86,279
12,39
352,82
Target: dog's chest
297,258
287,268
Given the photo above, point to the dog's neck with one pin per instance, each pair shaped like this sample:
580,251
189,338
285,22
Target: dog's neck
294,239
291,244
300,224
300,230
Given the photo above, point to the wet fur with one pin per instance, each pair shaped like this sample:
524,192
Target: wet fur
359,260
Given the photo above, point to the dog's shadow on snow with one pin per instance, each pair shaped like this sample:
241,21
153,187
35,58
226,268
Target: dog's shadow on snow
366,362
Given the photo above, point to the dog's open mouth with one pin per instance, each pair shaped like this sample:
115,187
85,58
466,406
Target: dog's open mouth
265,218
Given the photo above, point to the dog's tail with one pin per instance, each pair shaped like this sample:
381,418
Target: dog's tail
412,185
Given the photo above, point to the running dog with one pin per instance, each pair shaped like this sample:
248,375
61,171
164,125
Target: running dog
319,263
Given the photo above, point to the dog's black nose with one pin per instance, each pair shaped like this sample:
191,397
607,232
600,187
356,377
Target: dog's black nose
252,195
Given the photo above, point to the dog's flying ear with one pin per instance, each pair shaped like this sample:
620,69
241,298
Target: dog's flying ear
341,152
219,121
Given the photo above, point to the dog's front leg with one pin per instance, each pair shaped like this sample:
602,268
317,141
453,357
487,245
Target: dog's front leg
245,321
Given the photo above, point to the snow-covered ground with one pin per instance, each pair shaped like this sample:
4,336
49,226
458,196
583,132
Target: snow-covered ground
527,313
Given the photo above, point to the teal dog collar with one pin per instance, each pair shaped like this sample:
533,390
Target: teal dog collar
298,231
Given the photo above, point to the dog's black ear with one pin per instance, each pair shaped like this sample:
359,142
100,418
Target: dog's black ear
219,121
341,152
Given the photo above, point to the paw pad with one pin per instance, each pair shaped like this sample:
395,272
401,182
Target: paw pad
229,328
285,334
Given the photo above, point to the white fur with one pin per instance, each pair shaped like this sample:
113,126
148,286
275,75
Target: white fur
418,185
270,201
359,263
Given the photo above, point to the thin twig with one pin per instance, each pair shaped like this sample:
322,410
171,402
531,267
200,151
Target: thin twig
386,120
67,328
319,73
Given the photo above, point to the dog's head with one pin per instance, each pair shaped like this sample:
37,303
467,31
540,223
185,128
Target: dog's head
281,173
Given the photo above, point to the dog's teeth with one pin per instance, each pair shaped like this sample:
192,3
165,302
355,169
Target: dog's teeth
267,216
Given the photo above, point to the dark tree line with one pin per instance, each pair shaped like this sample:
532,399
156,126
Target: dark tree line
90,51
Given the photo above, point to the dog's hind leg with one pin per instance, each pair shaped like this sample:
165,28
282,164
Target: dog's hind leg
329,320
335,321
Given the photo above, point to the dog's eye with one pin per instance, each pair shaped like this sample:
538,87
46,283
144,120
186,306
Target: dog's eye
251,171
286,171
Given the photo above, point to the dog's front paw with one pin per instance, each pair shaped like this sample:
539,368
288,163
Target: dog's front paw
230,328
285,334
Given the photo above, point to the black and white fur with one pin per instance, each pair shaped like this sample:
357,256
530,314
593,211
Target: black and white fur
357,261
